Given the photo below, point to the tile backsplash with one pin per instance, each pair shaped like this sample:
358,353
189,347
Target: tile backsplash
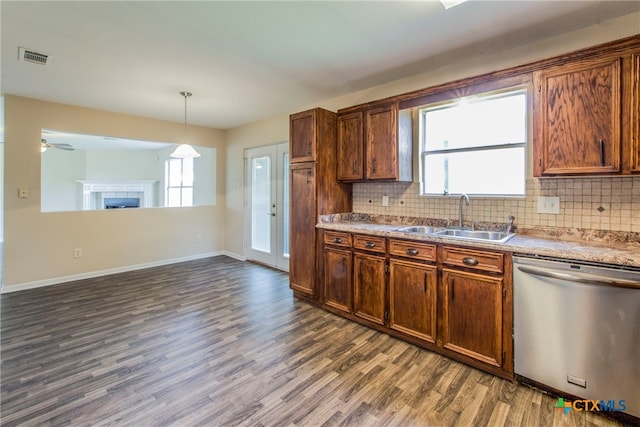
607,203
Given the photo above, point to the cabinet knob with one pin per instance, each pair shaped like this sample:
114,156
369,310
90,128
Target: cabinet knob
369,245
337,240
412,251
469,261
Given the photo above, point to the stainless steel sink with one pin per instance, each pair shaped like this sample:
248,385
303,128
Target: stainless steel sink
489,236
492,236
421,229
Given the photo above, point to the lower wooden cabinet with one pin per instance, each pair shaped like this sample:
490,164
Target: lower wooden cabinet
451,299
412,299
472,315
369,287
337,279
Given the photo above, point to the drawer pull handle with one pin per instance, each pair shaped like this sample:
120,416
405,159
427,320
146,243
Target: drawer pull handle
337,240
412,251
369,245
469,261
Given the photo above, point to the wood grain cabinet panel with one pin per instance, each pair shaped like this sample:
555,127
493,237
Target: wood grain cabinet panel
369,287
412,299
634,113
350,147
577,114
337,279
302,132
303,220
472,315
381,143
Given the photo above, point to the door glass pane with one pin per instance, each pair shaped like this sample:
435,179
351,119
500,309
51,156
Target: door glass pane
261,204
285,205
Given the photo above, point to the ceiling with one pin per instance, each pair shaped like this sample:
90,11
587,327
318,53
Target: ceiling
245,61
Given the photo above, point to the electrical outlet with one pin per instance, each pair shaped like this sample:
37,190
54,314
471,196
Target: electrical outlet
77,252
548,205
198,237
385,200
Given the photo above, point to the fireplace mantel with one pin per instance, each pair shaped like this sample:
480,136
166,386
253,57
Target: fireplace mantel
94,192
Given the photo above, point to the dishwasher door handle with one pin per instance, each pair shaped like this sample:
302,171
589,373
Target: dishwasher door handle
597,280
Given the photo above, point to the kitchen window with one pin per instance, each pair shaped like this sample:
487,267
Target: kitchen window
475,144
179,179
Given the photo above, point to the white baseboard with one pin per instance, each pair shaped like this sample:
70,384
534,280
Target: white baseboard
92,274
234,255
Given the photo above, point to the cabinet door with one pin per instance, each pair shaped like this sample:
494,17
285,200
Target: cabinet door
472,315
412,299
369,287
380,144
337,279
302,134
578,118
350,147
635,113
302,239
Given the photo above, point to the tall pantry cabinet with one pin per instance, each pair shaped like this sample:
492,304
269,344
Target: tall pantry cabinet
314,191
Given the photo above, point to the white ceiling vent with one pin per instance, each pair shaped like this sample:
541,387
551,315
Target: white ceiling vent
27,55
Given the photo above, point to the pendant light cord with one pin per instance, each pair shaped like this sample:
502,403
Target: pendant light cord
186,95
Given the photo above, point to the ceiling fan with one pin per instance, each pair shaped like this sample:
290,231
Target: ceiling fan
44,145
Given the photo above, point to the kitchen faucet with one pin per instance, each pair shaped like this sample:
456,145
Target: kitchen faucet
463,197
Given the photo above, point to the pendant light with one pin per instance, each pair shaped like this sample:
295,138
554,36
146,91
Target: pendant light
185,150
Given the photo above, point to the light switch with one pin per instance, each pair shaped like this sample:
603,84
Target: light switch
385,200
23,192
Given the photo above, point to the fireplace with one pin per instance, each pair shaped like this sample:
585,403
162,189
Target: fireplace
98,194
121,202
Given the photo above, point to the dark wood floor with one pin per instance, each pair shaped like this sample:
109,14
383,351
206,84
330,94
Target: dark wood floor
222,342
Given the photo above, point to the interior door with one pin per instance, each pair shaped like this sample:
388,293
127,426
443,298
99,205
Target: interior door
267,208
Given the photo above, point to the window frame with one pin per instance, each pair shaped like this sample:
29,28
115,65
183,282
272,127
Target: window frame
445,94
180,187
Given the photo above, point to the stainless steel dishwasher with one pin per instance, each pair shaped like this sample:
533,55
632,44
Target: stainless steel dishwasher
577,328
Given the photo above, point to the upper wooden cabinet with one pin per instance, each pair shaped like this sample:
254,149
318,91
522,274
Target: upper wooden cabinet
634,102
350,147
371,146
309,132
578,118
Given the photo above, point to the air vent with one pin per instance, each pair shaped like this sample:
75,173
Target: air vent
27,55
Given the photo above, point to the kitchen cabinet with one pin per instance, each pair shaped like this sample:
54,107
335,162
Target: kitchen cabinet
338,271
472,315
303,219
578,119
350,147
451,299
634,113
369,287
412,299
372,147
314,190
369,281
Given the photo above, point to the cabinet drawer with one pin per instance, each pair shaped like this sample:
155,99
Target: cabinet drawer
369,243
337,238
414,250
481,260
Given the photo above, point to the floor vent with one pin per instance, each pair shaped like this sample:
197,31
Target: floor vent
27,55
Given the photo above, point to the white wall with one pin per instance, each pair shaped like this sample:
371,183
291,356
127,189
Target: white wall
276,129
60,170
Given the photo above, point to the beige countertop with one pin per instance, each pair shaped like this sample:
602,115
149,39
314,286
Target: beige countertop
582,245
